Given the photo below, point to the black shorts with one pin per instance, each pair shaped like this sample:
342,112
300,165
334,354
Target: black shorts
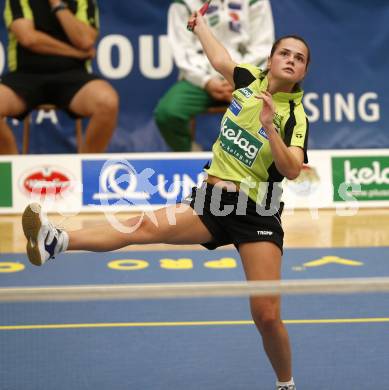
48,88
233,218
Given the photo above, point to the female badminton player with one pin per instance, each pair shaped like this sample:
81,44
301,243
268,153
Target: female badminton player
263,138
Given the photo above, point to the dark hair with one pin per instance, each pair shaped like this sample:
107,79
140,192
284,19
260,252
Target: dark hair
298,38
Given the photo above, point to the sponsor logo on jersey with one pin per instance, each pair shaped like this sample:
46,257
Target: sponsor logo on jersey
264,233
212,9
235,107
239,143
235,5
235,26
246,92
239,98
262,132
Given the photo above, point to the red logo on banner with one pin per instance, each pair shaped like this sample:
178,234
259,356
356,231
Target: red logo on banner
46,180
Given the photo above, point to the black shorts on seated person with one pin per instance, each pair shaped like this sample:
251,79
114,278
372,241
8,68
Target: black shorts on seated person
50,88
234,228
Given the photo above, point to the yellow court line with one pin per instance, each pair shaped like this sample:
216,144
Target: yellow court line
187,323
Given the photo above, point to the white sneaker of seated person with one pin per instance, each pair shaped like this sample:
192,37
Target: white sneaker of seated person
44,240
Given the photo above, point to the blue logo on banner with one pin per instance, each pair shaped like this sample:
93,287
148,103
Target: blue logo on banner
263,133
235,107
141,182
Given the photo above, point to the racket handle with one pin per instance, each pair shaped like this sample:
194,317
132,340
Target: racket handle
190,26
203,10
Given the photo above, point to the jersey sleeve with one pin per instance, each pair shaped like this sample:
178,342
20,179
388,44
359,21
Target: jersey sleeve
300,134
245,74
16,9
88,13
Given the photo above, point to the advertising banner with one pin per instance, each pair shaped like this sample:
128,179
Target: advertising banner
346,89
367,177
52,180
139,183
146,181
6,184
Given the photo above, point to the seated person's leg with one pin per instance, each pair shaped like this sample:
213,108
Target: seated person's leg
174,111
85,95
11,105
99,101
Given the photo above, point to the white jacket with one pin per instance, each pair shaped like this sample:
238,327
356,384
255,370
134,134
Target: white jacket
244,27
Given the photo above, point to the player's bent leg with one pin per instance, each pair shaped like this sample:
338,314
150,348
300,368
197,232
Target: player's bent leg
176,224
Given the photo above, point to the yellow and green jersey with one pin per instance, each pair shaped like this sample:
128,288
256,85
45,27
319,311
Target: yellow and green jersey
242,153
39,12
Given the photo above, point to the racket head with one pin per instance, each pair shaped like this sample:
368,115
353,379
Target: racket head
203,10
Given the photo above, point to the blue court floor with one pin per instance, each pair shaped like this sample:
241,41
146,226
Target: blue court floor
338,341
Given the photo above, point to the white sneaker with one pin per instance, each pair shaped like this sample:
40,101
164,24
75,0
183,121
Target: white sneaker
44,240
288,387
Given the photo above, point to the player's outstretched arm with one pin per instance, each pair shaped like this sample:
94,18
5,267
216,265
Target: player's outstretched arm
217,55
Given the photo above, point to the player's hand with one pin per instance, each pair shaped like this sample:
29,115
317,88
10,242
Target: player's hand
53,3
85,54
267,113
195,22
219,89
91,53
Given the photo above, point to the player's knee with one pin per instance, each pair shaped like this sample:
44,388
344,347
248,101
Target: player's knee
4,110
143,226
164,114
146,227
160,115
133,223
108,103
266,320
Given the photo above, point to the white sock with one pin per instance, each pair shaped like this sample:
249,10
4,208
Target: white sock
291,382
65,241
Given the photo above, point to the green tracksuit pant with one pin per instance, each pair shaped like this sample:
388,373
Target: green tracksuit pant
176,108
